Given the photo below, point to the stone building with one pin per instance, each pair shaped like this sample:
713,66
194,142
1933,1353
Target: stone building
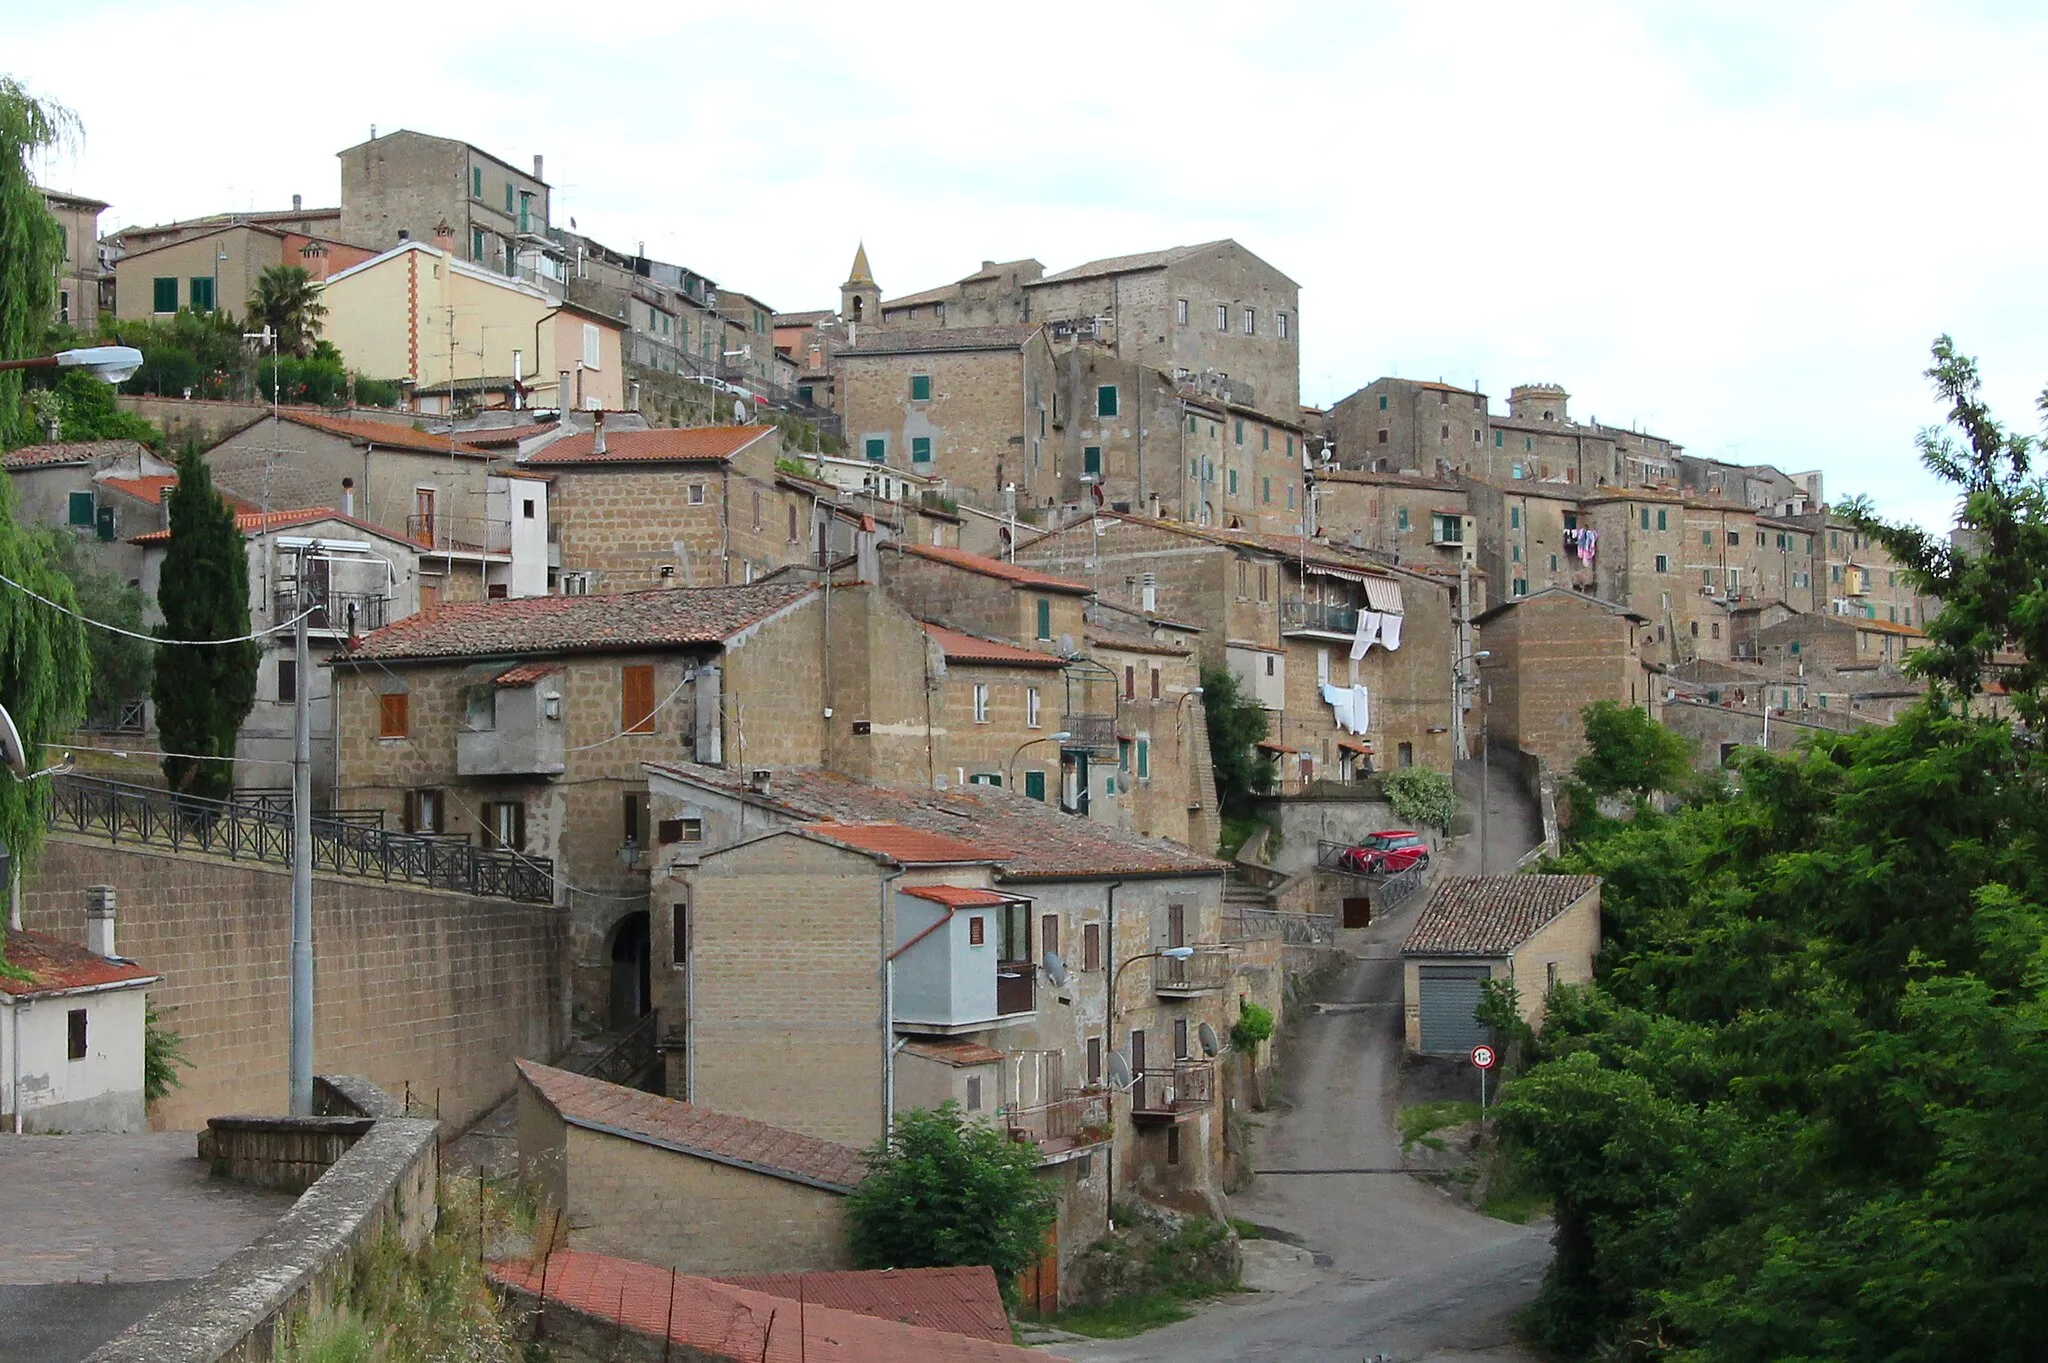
1825,640
1853,574
82,277
993,296
106,490
1534,932
1529,536
216,269
408,186
1425,429
1552,653
1408,517
320,224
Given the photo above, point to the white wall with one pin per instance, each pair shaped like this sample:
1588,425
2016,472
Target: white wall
103,1091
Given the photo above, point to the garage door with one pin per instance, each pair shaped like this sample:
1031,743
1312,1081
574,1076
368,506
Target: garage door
1450,996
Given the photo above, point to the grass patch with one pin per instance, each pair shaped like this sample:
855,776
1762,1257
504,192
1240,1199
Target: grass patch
1246,1230
1511,1195
1237,832
1124,1318
1418,1121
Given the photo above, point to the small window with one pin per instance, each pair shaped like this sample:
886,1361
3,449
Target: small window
1404,755
1382,435
679,919
165,294
635,807
920,388
1663,563
1091,950
1646,517
1280,325
1044,617
74,1028
757,509
425,811
1130,682
696,494
1514,518
1094,1043
1401,518
1383,402
1661,523
1266,491
1180,312
504,825
974,1093
1155,683
920,449
1144,759
476,182
526,509
792,522
1521,586
392,715
202,293
1223,317
287,681
1735,537
1251,320
981,702
876,448
1106,400
1091,460
1033,707
1034,785
977,931
81,509
636,699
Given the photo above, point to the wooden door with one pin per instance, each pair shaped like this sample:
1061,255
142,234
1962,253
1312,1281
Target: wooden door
423,515
1038,1287
1357,911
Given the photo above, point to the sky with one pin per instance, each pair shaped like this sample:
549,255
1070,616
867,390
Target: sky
1739,225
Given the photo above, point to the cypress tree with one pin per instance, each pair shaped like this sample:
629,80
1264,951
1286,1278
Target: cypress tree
203,692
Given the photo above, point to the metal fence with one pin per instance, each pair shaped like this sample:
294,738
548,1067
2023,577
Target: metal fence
256,832
633,1052
1294,929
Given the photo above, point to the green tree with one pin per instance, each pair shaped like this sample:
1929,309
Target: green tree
1237,723
1630,753
121,666
84,409
203,691
287,300
943,1191
1420,796
31,242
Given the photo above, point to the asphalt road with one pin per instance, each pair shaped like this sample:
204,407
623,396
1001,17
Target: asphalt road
1404,1270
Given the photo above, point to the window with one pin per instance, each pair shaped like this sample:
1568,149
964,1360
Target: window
1180,1038
1106,400
920,449
1091,951
1382,433
757,509
1404,755
592,355
1663,563
680,830
1515,553
287,680
696,494
1571,522
876,448
1094,1045
974,1093
1660,519
166,295
1123,754
1250,322
920,388
508,197
1180,312
1716,629
1233,482
1646,517
1383,402
1223,317
1131,677
981,702
1514,518
679,921
1155,683
1266,491
1735,537
1553,563
81,509
504,825
1091,460
74,1034
476,243
1032,707
1280,325
1401,518
425,811
1238,435
1034,785
1499,439
392,716
636,699
1521,586
1449,529
202,293
634,807
476,182
1144,758
1444,432
977,931
1706,537
1173,1145
1045,617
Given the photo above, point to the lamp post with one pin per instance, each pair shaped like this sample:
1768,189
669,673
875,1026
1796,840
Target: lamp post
107,363
1485,762
1010,767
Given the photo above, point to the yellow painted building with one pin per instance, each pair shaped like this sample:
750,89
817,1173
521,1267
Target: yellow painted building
420,315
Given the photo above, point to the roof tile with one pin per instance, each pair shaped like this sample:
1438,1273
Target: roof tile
892,342
558,624
994,567
53,965
74,452
961,647
905,844
959,1301
388,434
677,445
1492,915
959,896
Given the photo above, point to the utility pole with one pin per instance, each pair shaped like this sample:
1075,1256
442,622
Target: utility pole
1485,776
302,869
1460,688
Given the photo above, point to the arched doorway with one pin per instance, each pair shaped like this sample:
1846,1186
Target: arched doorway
631,981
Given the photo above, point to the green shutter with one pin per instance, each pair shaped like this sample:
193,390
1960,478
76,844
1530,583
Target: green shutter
166,299
1034,785
202,293
1238,433
81,508
1266,491
1401,519
1091,459
1514,518
1661,524
877,448
1383,402
1499,438
920,449
1105,400
920,388
476,182
1233,482
1646,518
508,198
1144,759
1044,618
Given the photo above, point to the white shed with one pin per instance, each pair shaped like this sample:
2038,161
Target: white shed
71,1025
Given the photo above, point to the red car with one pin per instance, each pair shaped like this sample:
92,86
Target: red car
1385,853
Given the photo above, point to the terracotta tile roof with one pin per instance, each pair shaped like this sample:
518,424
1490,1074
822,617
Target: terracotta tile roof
684,1127
958,1301
384,434
960,896
961,647
912,846
1044,843
153,488
1492,915
54,965
253,522
994,567
803,319
1888,627
77,452
671,445
940,340
1133,643
569,624
954,1051
526,674
1144,260
734,1321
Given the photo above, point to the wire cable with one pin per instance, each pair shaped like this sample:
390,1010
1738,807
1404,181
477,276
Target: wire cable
151,638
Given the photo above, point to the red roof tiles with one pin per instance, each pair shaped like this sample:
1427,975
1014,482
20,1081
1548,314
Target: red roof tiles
960,896
254,522
74,452
691,1130
961,647
526,674
384,434
959,1301
564,624
725,1321
54,966
911,846
954,1051
1492,915
153,488
684,444
995,567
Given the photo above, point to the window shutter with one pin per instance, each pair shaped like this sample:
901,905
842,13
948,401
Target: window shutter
1091,459
1091,959
166,295
920,449
1044,618
392,715
636,699
1034,788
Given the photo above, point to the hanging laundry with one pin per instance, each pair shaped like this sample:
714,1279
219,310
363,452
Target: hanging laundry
1348,706
1390,632
1369,626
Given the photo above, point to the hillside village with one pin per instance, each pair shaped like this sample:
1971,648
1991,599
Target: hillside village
816,698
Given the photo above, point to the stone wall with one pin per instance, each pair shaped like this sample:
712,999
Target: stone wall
421,990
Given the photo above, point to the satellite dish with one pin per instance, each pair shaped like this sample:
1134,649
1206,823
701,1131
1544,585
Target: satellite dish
12,754
1117,1070
1210,1043
1055,969
739,412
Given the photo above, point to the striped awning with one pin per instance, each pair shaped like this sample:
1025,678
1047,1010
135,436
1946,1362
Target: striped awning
1382,594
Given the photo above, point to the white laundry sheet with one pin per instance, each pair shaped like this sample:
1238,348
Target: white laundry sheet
1349,704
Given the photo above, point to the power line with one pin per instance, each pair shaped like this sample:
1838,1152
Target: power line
151,638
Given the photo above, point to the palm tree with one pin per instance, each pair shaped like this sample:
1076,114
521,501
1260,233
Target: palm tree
287,300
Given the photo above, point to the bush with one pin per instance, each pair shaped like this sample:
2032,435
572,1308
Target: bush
1421,797
1254,1024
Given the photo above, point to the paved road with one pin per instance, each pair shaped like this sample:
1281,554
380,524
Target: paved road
1514,823
1406,1271
101,1228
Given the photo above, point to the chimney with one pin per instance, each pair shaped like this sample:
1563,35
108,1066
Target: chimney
562,399
99,919
298,202
536,167
597,431
348,496
444,236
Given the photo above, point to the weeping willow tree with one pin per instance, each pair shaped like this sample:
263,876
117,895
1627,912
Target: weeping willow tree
45,673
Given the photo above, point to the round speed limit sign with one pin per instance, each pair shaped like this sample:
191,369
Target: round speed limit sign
1482,1056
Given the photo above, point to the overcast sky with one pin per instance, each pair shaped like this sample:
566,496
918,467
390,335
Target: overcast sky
1737,224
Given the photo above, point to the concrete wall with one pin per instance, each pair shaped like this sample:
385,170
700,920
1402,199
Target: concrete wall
101,1091
418,989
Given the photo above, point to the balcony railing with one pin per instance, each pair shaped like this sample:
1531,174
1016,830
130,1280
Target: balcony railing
1202,973
250,832
1173,1095
1292,929
460,534
335,612
1016,987
1094,732
1075,1120
1326,617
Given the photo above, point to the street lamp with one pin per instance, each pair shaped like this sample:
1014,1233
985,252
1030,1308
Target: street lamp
1010,767
107,363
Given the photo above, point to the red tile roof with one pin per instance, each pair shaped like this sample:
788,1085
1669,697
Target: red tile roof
959,1301
54,965
76,452
961,647
1492,915
912,846
725,1321
895,342
571,624
682,445
153,488
384,434
960,896
526,674
691,1130
1045,844
995,567
954,1051
252,522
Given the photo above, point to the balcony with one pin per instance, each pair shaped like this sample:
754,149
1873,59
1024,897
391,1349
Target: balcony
512,735
1170,1096
1205,972
1016,988
460,534
334,612
1097,733
1064,1128
1318,617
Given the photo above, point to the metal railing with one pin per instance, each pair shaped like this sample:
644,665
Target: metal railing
461,534
1265,925
1202,971
1074,1119
336,612
624,1059
1095,732
1016,987
244,831
1189,1085
1326,616
1396,888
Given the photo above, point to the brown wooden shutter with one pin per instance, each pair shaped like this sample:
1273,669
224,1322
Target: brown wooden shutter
1048,935
1176,925
1091,947
636,699
393,713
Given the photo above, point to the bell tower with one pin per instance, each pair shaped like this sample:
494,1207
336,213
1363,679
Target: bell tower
860,298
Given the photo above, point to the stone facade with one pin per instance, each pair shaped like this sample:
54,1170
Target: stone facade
1561,951
1408,426
1412,519
81,278
406,185
1553,654
218,270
